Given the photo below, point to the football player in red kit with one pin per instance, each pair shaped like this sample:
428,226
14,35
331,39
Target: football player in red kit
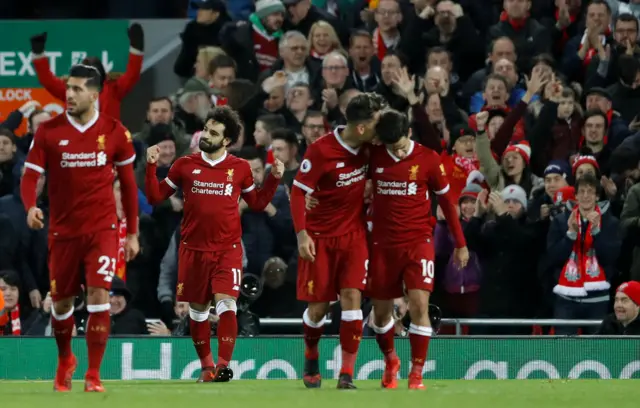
78,150
210,255
404,175
331,238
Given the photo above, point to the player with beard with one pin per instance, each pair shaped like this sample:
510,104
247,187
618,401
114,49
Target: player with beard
210,256
79,150
331,238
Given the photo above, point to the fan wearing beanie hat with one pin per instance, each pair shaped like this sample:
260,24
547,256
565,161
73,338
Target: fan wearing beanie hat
584,164
265,31
467,200
555,177
626,317
515,198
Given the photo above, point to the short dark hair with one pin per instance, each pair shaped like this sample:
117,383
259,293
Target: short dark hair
545,59
359,33
222,61
599,2
588,180
286,134
88,72
97,64
363,107
250,153
493,43
162,99
392,126
438,50
627,18
10,277
272,121
8,133
230,119
399,55
624,158
494,77
596,112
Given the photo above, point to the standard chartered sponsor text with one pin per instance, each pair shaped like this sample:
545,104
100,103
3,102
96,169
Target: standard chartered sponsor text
80,160
210,188
346,179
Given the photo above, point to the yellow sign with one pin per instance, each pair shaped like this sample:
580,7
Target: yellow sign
101,140
413,172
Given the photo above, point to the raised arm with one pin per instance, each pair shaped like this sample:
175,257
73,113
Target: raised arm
156,191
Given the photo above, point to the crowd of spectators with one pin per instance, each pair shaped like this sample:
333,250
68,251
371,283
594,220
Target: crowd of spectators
533,106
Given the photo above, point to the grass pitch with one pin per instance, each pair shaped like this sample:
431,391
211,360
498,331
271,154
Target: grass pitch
292,394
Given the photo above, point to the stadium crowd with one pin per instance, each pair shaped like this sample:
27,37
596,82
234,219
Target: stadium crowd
533,107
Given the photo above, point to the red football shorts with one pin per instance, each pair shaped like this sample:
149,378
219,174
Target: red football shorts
341,263
89,259
390,267
204,273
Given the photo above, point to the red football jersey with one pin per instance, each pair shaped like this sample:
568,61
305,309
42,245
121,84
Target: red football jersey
211,190
401,194
79,162
336,175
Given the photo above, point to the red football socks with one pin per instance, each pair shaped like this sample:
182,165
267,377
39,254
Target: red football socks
201,336
384,337
419,337
62,328
312,334
98,329
227,333
350,336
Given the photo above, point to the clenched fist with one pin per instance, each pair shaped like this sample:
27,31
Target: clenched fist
35,218
277,169
152,154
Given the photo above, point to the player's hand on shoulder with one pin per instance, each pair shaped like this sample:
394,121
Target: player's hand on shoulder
306,247
277,169
153,153
35,218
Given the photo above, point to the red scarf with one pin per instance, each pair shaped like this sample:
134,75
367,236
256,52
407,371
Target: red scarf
379,45
582,273
517,23
15,320
218,100
466,164
121,262
565,34
593,51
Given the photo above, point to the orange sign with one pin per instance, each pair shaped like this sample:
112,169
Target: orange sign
13,98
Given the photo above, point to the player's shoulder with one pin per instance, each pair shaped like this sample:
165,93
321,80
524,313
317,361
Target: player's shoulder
188,159
424,151
112,125
234,161
57,122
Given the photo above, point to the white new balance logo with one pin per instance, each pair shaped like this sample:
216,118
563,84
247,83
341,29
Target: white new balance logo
63,143
379,170
196,171
339,165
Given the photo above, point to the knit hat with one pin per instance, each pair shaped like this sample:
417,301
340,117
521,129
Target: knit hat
195,85
470,191
459,131
598,91
560,167
515,192
267,7
159,133
631,289
580,160
522,148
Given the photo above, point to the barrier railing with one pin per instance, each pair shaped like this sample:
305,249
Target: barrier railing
458,323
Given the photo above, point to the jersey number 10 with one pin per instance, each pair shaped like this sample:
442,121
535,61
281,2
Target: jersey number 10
428,270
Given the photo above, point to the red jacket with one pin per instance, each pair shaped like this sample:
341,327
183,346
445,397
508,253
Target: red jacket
114,89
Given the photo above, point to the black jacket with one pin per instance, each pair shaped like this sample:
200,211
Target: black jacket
129,322
237,41
313,16
532,40
612,327
193,37
508,252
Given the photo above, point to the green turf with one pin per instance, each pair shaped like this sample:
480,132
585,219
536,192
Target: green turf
291,394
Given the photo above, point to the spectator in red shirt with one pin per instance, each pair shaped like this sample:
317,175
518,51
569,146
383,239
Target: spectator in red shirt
113,89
